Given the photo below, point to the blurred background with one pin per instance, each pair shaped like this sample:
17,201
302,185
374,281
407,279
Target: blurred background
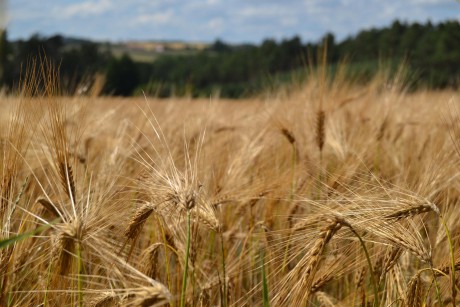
231,48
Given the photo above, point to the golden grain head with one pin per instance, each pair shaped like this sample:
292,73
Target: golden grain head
265,225
136,223
320,129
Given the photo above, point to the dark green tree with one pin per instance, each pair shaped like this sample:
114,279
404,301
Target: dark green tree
4,50
329,41
122,76
220,46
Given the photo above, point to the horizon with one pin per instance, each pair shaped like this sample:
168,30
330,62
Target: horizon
205,21
172,40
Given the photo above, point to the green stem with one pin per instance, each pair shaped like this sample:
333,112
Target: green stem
371,270
436,286
223,268
165,244
265,295
79,271
184,278
451,248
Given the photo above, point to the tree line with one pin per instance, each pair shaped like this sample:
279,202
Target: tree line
431,51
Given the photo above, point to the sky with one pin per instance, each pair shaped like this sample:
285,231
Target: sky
234,21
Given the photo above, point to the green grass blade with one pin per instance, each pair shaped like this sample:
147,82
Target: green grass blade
266,300
7,242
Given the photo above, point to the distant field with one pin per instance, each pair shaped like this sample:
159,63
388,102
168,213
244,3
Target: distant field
149,51
327,195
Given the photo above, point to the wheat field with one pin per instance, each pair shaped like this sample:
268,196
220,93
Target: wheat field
324,194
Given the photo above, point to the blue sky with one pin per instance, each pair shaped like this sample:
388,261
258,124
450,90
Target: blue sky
205,20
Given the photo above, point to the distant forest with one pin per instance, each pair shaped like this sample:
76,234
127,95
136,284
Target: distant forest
431,51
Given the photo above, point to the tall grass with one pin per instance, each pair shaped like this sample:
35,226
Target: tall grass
140,202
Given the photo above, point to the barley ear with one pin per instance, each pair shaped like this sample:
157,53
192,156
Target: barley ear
320,129
134,227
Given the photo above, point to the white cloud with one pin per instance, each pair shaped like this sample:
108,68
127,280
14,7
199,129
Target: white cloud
274,11
390,10
160,18
252,11
216,25
85,9
320,6
289,21
430,2
233,20
201,4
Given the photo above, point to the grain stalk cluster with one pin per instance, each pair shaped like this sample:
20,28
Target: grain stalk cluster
331,194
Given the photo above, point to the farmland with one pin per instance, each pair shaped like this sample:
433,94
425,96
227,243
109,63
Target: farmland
324,194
